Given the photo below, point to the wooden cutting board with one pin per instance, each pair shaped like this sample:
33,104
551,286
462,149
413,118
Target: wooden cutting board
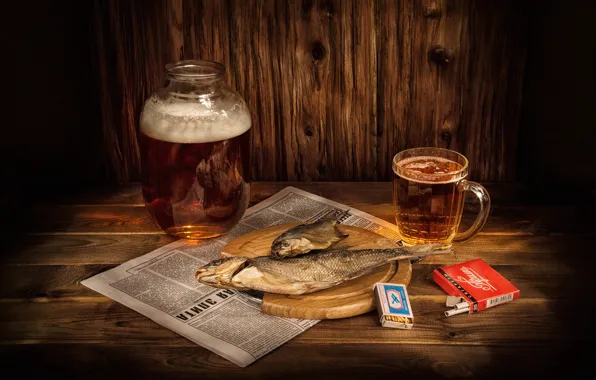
351,298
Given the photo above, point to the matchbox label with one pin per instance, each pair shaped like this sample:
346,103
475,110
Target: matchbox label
393,305
477,282
396,300
393,300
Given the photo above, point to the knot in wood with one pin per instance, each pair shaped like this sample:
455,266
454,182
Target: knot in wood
307,6
440,56
446,136
431,10
322,170
318,51
308,131
327,7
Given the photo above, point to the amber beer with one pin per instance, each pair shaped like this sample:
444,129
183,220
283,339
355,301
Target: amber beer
195,180
429,189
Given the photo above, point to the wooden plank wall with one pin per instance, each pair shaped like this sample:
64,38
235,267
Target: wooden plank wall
335,88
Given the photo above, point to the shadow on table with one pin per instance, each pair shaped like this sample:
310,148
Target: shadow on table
26,218
91,361
40,232
567,347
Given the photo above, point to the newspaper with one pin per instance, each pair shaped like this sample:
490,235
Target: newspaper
161,284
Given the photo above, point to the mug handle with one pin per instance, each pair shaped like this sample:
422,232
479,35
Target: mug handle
484,198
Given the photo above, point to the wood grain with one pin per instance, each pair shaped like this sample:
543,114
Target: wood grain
523,322
124,219
348,299
348,361
114,211
50,323
130,194
335,88
112,249
61,283
508,194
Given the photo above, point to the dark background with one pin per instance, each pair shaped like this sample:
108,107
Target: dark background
64,138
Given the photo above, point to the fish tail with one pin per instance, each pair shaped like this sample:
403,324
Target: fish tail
424,248
335,219
422,251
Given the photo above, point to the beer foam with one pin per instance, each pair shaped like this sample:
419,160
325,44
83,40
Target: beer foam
416,168
193,122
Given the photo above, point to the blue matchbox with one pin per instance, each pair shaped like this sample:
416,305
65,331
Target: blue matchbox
393,305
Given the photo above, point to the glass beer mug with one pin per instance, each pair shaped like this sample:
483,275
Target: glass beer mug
194,142
429,188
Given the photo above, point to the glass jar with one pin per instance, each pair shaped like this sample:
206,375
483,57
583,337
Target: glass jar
195,160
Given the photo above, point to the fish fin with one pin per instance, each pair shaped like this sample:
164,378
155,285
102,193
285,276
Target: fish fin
337,219
329,218
339,233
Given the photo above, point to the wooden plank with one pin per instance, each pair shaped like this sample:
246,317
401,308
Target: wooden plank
321,361
301,127
124,86
79,249
522,322
112,249
50,281
453,42
500,193
490,147
118,219
548,280
120,194
395,64
346,119
257,77
55,282
121,210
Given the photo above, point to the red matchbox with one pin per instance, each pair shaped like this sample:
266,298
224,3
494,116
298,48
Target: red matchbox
477,282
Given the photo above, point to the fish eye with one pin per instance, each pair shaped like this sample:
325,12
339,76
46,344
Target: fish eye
285,244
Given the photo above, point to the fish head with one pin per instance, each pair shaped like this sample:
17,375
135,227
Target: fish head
287,247
219,273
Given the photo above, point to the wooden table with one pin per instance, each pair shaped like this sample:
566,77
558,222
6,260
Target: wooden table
52,324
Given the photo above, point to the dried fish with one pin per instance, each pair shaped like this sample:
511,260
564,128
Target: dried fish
306,273
307,237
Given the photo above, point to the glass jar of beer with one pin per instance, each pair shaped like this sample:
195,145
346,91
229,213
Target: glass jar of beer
195,162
